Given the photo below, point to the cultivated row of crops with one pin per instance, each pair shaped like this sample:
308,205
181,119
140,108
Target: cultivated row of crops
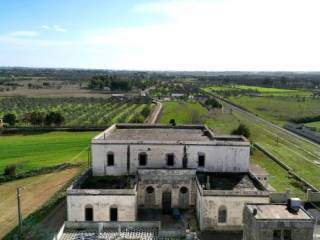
76,111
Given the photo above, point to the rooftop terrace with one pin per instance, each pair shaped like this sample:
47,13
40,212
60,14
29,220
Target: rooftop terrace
158,132
228,181
277,211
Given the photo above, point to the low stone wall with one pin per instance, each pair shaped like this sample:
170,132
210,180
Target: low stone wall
279,197
122,224
313,196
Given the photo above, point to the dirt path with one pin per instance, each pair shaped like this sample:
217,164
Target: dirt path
36,191
152,119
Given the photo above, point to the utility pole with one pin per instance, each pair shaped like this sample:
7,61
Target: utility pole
19,213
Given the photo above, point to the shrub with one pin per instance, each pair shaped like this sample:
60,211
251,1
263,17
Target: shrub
10,170
242,130
10,119
172,122
213,103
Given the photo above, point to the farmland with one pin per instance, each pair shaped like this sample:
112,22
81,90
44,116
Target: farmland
76,111
32,151
273,104
37,191
183,112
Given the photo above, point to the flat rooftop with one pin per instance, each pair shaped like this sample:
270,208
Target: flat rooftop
158,132
228,181
277,211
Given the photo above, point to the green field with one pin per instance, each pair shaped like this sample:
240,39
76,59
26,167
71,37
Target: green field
314,124
273,104
279,178
235,89
279,109
183,112
76,111
42,150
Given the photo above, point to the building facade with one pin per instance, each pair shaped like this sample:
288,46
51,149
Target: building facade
168,167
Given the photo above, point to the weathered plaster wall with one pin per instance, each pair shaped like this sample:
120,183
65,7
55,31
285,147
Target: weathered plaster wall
217,158
166,181
126,204
209,207
263,229
99,159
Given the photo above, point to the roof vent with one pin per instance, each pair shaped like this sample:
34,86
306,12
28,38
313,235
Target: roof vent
293,205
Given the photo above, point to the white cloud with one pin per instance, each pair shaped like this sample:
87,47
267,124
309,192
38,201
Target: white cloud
59,29
221,35
23,34
46,27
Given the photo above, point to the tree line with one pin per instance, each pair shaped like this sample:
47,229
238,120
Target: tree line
36,119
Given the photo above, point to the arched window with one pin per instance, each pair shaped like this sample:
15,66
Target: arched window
88,213
150,197
150,190
222,215
110,159
170,159
113,213
183,198
201,159
143,157
183,190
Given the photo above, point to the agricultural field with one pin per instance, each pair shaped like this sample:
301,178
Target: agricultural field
235,89
273,104
36,192
76,111
32,151
183,112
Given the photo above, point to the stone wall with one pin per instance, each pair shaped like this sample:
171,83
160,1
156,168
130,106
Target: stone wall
161,181
255,229
126,204
209,208
217,158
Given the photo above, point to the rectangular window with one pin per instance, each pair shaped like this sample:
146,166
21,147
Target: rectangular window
277,235
201,160
110,159
170,159
287,235
142,159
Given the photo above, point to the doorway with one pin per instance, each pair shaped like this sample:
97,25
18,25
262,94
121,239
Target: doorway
113,214
166,202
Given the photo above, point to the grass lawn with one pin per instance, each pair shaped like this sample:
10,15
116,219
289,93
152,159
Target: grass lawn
222,123
183,112
296,153
279,109
37,190
44,149
278,177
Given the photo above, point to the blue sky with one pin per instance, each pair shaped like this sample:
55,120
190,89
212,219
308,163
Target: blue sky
161,35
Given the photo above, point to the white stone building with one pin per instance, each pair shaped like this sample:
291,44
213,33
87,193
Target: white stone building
140,167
